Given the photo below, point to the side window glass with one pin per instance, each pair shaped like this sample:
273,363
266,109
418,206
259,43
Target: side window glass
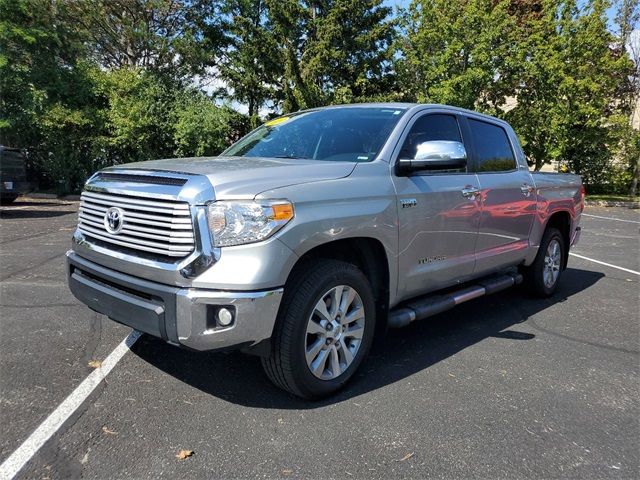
427,128
492,147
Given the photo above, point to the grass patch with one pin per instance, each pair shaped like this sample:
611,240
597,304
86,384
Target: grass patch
612,198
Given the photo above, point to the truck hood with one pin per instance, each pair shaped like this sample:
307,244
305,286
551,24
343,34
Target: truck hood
243,177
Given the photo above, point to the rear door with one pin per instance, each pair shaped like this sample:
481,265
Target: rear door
508,199
438,212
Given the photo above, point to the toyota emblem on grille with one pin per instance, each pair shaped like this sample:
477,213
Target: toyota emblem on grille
114,220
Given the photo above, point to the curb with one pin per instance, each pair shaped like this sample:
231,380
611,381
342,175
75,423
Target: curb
612,203
51,196
48,196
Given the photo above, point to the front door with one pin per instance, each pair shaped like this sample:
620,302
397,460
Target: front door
438,214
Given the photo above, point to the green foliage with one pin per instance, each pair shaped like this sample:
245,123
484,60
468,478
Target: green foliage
68,152
332,51
171,37
149,117
458,52
550,67
47,104
566,95
91,83
139,114
250,65
203,129
347,57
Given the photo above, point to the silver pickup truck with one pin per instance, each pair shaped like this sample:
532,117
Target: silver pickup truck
318,231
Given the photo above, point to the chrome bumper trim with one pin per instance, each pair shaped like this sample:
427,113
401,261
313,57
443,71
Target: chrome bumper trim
178,315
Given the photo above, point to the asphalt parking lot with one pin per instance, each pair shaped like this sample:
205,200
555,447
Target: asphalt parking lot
502,387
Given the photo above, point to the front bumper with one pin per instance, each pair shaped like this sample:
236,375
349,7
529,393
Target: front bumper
182,316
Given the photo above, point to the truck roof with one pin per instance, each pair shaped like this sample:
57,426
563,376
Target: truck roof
409,106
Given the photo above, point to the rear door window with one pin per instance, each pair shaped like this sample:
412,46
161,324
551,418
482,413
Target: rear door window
492,148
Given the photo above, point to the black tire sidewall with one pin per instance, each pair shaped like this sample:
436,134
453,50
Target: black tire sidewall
342,274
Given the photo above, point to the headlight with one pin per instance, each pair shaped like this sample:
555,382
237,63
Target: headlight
240,222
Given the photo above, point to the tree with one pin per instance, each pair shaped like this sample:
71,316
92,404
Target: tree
566,97
287,20
174,37
628,23
38,56
147,117
48,105
250,63
347,57
139,114
457,52
332,51
204,129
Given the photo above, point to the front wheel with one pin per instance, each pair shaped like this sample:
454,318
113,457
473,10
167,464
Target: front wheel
324,329
543,276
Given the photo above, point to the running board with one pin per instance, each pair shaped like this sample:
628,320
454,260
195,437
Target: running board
432,305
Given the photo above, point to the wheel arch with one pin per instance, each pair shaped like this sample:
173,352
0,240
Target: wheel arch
562,221
366,253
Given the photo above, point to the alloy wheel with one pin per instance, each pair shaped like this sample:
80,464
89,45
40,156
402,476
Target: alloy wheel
334,332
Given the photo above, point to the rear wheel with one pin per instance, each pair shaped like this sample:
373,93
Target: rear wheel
324,329
543,276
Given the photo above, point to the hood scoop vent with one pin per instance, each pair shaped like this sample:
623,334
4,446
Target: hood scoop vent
135,178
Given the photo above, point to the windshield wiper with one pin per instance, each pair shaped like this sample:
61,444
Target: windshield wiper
293,157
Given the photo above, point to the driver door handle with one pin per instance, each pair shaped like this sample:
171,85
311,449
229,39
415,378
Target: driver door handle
470,192
526,189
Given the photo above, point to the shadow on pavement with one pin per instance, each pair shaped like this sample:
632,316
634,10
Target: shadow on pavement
238,378
31,203
16,211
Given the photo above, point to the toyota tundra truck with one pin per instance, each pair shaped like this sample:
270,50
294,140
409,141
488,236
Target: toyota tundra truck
319,230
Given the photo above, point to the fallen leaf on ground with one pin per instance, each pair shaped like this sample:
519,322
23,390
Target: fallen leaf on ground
182,454
406,457
95,363
110,432
287,472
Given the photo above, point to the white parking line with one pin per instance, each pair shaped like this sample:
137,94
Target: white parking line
18,459
609,218
603,263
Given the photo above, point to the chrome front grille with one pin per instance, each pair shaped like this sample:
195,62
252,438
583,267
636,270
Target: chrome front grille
162,227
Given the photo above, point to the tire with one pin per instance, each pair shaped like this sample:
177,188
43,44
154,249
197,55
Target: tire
299,342
542,277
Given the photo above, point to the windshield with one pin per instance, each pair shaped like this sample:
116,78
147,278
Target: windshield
348,134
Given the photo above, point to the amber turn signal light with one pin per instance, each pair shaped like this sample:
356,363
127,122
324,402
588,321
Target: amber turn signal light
283,211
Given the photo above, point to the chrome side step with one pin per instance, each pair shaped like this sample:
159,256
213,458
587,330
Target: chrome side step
432,305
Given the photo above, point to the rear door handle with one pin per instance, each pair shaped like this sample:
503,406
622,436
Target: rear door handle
470,192
526,189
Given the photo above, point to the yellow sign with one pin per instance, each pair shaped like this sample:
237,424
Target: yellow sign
276,121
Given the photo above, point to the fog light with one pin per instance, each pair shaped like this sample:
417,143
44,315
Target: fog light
225,317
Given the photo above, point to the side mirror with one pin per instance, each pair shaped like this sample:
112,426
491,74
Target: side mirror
436,155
